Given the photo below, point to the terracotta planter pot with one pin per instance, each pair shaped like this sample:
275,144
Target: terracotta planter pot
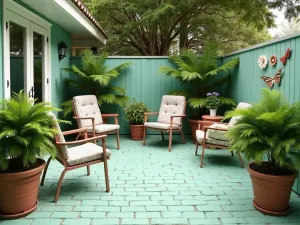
136,132
194,127
271,193
18,197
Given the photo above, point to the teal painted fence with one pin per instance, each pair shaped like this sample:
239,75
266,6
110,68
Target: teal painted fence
247,85
141,80
1,52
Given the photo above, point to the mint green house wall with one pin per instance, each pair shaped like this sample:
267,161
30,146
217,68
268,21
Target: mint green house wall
142,81
247,85
1,54
58,35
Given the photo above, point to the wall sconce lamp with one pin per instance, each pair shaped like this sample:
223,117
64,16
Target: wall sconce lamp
62,50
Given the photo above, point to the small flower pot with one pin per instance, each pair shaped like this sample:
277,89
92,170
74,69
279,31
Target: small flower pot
271,193
136,132
213,112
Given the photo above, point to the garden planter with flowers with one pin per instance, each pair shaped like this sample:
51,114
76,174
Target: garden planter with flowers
269,134
134,114
26,133
212,102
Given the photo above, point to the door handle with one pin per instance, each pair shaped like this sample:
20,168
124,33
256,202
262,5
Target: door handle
31,93
7,83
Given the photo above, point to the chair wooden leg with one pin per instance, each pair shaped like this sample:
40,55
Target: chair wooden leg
170,141
105,169
118,140
59,185
241,160
88,170
196,152
182,137
144,139
202,157
45,171
162,135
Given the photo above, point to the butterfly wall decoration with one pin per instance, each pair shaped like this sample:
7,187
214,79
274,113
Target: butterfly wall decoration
286,56
271,80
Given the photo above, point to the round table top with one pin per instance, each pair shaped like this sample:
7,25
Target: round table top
215,118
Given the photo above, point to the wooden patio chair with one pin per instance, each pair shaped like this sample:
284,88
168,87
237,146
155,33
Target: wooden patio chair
84,154
172,110
214,135
87,114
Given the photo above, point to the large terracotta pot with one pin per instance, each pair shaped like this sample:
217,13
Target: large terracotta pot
19,191
136,132
194,126
271,193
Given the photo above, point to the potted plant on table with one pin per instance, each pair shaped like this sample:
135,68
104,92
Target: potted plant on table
212,102
134,115
269,134
26,133
200,74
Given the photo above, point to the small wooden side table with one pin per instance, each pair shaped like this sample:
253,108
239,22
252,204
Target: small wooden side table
209,120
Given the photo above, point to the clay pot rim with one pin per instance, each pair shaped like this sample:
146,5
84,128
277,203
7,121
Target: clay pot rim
271,177
10,176
137,125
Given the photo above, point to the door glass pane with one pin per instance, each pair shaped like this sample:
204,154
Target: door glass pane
17,54
38,49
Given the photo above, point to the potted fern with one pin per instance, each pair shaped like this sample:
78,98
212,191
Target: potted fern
26,133
269,134
94,77
200,74
134,115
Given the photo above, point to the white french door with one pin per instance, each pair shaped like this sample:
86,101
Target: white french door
26,53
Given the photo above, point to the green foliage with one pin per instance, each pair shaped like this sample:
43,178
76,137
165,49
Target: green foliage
26,132
139,27
202,73
134,112
212,100
269,128
95,78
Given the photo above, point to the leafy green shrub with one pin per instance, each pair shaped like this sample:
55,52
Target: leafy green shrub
270,128
134,112
202,73
26,132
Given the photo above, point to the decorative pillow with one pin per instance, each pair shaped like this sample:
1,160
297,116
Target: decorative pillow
217,134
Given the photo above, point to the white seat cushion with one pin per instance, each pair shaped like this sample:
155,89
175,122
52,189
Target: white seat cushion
85,153
158,125
102,128
218,134
200,138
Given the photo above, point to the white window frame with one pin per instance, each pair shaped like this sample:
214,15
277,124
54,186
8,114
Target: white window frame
11,8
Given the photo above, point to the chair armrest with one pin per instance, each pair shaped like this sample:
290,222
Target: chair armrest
213,128
151,113
110,115
84,118
75,131
179,116
82,141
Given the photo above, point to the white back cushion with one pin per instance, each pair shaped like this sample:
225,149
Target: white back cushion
60,138
241,105
171,105
87,106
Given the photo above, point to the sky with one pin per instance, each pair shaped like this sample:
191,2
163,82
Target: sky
279,19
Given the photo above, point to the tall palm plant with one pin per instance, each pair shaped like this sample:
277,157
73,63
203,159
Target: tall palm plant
202,73
95,78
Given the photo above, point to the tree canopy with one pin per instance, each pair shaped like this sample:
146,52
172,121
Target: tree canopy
163,27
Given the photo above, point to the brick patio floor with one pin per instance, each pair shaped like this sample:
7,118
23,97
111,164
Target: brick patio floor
149,185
